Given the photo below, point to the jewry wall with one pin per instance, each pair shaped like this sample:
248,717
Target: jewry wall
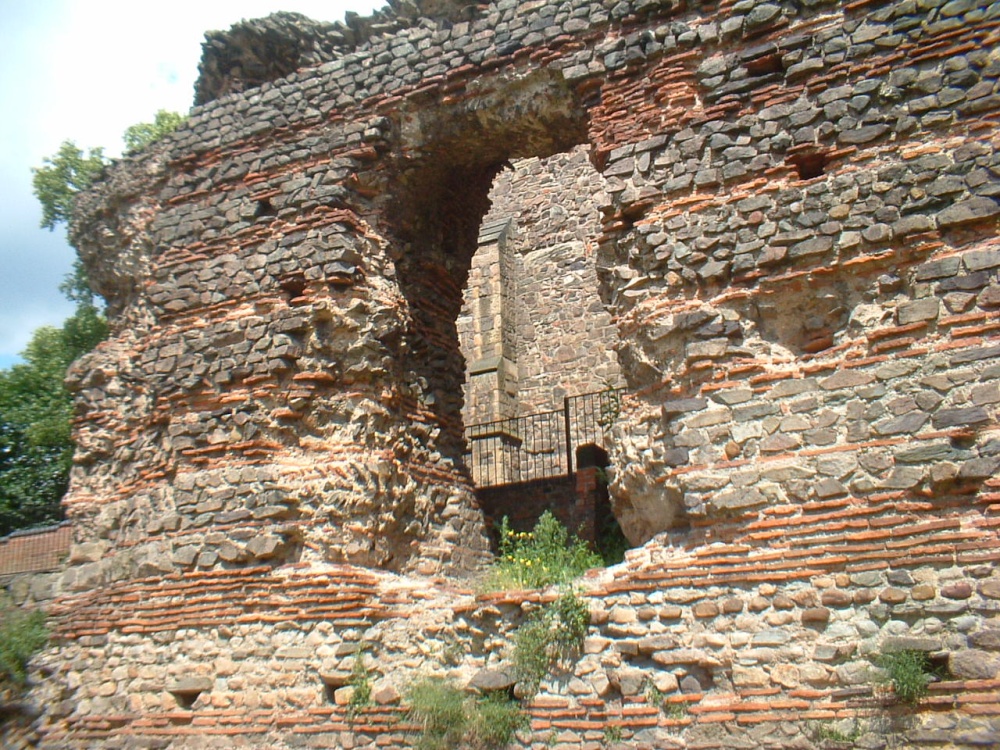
798,250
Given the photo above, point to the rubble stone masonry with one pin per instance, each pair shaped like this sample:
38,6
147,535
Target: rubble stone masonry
795,241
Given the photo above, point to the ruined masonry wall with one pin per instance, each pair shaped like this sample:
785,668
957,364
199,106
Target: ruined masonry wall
798,249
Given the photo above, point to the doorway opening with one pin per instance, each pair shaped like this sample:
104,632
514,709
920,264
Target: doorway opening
496,210
542,380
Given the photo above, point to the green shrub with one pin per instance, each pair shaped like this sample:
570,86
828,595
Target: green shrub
830,732
449,718
544,556
438,706
140,135
360,680
22,635
612,734
908,671
552,635
493,721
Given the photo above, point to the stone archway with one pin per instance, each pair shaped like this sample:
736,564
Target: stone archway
448,157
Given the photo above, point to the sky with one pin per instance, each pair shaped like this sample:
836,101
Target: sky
85,70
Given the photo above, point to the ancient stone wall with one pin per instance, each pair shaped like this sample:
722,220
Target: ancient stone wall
799,252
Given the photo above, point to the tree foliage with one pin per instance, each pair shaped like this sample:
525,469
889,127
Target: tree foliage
36,447
140,135
22,635
69,170
61,177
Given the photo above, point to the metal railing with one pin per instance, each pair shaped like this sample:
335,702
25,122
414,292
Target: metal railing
541,445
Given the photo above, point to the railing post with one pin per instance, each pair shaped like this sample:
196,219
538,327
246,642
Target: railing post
569,438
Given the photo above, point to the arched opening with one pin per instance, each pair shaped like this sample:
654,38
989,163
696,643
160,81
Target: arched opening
497,209
449,157
540,348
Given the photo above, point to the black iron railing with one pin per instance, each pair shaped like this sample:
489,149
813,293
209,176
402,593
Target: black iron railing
539,446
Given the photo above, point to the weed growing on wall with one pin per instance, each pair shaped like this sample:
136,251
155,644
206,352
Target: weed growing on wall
22,635
544,556
360,680
655,696
908,672
612,735
448,718
438,707
493,721
552,635
831,732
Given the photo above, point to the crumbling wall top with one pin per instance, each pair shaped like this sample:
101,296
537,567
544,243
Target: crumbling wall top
256,51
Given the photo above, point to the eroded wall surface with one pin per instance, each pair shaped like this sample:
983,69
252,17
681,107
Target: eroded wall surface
799,252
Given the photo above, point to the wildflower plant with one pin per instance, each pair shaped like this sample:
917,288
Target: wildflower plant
545,556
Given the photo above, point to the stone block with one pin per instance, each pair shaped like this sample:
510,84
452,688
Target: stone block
705,609
265,546
846,379
989,298
836,598
771,638
973,664
894,644
892,595
786,675
990,588
903,478
918,310
87,552
981,260
813,246
968,211
670,409
979,469
986,640
960,417
342,696
925,453
493,680
385,695
749,677
656,643
815,616
629,681
923,592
